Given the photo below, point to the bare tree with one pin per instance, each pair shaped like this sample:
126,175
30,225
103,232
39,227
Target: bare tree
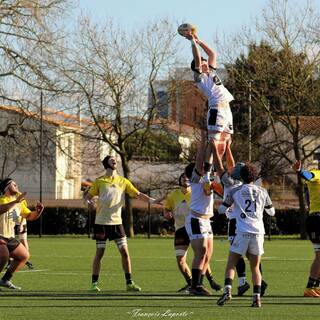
108,72
29,29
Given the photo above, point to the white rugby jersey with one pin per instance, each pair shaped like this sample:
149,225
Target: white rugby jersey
249,203
200,202
212,87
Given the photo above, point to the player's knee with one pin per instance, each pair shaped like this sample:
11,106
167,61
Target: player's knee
122,244
214,137
316,248
26,256
4,252
180,253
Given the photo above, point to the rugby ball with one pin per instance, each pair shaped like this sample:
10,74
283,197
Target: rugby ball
185,28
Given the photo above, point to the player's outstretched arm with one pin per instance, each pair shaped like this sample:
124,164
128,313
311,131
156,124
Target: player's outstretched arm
195,50
212,57
34,215
143,197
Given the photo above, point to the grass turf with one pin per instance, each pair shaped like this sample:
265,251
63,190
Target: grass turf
58,287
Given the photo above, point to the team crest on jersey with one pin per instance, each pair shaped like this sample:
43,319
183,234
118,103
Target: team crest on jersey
246,193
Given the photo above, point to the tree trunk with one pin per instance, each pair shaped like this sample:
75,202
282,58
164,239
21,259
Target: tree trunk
301,195
127,213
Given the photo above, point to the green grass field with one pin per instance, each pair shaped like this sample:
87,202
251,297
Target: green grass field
58,287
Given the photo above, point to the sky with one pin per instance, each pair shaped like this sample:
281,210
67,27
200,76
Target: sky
210,16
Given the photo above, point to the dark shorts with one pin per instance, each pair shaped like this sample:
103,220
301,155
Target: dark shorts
232,227
313,227
18,230
181,237
108,232
11,243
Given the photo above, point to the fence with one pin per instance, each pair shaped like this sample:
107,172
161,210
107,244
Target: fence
63,220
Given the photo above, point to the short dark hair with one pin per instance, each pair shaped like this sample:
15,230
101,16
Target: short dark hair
105,162
249,173
4,184
180,178
193,64
189,169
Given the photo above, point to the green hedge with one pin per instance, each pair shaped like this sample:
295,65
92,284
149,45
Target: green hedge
77,221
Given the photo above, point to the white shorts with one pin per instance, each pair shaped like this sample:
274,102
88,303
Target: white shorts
219,118
244,243
198,228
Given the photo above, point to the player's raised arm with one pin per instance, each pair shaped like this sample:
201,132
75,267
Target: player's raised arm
305,174
212,57
34,215
195,51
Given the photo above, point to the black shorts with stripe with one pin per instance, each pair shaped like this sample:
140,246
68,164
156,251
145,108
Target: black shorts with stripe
181,237
10,243
108,232
313,227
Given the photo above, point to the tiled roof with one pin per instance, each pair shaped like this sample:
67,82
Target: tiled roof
309,125
52,116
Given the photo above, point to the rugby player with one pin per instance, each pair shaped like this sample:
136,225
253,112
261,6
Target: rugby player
250,201
312,179
110,190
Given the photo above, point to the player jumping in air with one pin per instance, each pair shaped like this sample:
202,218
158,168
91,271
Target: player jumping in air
219,116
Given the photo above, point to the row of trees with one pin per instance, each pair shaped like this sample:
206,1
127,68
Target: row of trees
279,77
109,75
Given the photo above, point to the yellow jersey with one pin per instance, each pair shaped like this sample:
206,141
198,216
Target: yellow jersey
13,216
314,191
179,204
111,192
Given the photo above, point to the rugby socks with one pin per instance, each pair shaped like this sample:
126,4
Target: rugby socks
128,278
188,279
210,278
196,276
94,278
7,276
317,284
311,282
256,290
227,285
241,271
201,279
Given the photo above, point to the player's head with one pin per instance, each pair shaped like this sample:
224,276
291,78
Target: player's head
184,181
235,174
9,186
203,67
248,173
189,169
109,162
